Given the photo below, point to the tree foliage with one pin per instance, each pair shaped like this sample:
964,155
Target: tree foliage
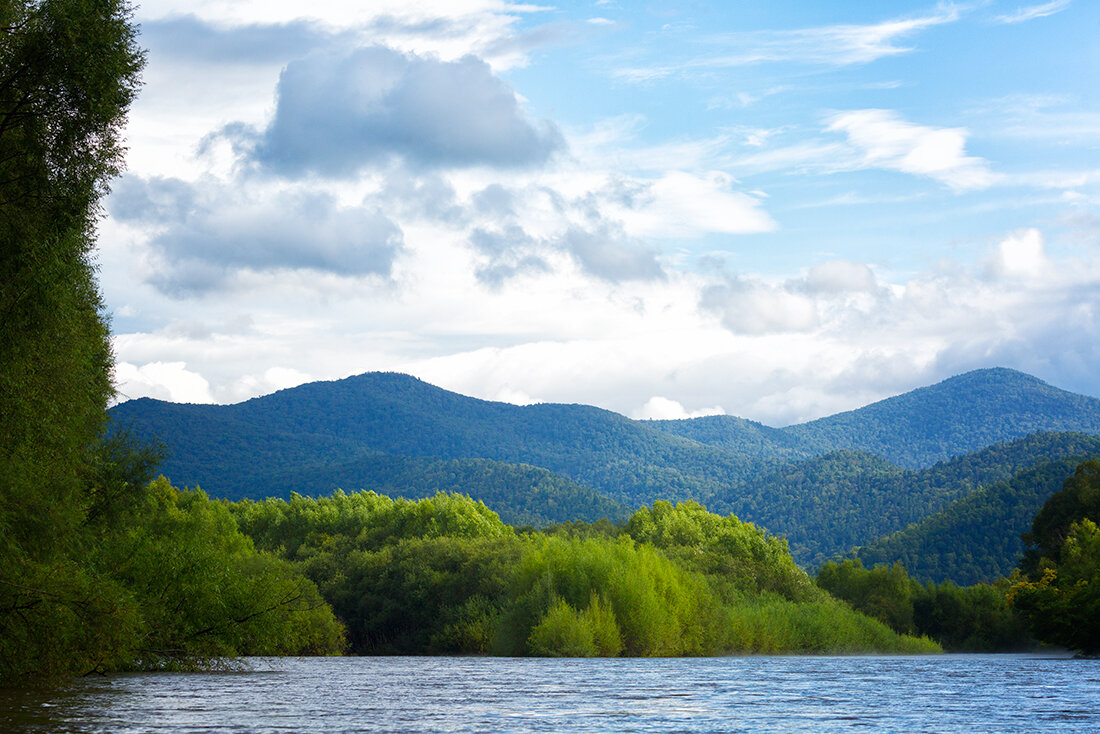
963,619
1060,591
444,575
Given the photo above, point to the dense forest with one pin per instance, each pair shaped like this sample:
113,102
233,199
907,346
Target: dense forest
829,504
976,538
445,575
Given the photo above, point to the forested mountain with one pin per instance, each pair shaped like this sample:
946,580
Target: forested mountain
519,493
325,423
916,429
828,504
824,484
977,537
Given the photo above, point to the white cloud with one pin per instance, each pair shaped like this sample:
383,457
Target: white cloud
887,141
661,408
833,45
163,380
682,204
1020,255
1032,12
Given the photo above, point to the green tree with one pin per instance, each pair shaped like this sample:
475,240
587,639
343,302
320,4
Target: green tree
1079,498
68,72
1063,603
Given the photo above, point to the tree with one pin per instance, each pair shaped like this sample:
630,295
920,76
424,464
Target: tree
1060,592
1079,498
68,72
1063,603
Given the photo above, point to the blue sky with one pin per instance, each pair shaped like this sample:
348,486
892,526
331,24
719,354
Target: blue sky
777,210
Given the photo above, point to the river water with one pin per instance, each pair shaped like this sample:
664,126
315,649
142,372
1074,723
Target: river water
949,693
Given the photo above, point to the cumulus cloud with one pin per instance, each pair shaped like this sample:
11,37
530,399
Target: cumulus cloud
840,276
662,408
206,232
607,254
753,307
1020,255
162,380
337,112
886,141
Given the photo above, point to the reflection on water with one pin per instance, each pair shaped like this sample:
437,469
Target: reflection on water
979,693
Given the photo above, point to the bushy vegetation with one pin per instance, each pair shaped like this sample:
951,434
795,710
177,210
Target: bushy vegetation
444,575
974,618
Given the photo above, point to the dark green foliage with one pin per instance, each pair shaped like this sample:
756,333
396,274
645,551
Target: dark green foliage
963,619
1078,499
825,506
957,416
520,494
976,538
1062,600
1060,593
884,592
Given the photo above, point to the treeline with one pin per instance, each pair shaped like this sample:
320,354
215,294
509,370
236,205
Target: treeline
521,494
974,618
445,575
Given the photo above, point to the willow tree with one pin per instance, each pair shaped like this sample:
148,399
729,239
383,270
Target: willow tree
69,70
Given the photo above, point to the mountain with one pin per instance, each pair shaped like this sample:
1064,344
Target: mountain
916,429
828,504
828,484
976,538
518,493
324,424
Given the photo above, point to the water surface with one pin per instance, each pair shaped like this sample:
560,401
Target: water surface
964,693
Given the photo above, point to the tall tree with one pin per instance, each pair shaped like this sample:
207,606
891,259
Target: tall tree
69,70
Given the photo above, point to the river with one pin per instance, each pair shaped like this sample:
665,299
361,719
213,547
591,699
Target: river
948,693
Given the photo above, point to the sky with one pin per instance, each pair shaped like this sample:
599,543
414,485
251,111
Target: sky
772,209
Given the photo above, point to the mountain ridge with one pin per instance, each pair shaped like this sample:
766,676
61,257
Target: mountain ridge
328,435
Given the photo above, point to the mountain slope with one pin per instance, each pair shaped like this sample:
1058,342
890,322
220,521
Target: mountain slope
976,538
915,429
827,504
953,417
329,422
519,494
